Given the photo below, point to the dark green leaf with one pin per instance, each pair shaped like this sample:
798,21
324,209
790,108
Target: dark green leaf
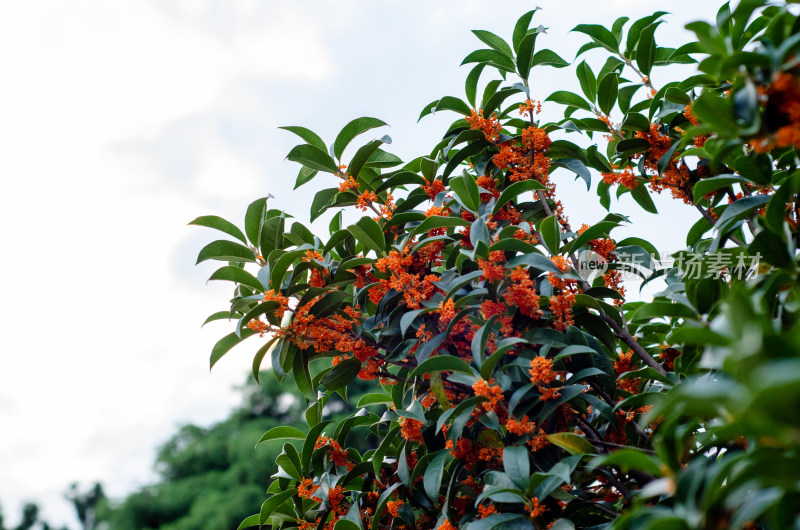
313,157
600,35
568,98
307,135
607,90
493,41
222,250
350,131
225,344
214,221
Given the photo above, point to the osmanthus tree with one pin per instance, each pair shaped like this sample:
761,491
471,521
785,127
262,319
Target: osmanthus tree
510,388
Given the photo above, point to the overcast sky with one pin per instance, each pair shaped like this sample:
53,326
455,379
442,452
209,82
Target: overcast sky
121,121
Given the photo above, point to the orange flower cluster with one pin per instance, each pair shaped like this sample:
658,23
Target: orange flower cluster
522,294
306,489
436,210
784,97
623,365
336,500
258,326
433,188
542,374
507,156
536,139
411,429
561,307
541,371
415,286
521,427
490,391
393,507
447,525
530,107
490,126
348,183
338,455
626,178
492,268
283,301
447,310
539,441
537,509
486,511
675,176
487,182
365,200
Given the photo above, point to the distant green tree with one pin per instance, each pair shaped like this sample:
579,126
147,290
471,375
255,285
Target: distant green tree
211,477
85,503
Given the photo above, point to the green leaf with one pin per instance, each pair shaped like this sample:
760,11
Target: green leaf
344,524
272,504
218,223
322,201
302,377
635,31
305,175
707,185
313,157
587,80
569,98
600,35
646,49
643,199
493,41
496,100
514,190
437,221
253,520
432,479
341,374
740,208
480,339
572,443
441,363
307,135
663,309
226,343
631,146
278,268
525,54
222,250
454,104
548,58
607,90
351,130
467,192
282,433
517,465
369,233
627,459
521,28
593,232
254,218
237,275
551,233
219,315
375,398
497,59
576,166
471,83
363,155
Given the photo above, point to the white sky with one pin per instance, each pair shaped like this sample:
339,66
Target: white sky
122,121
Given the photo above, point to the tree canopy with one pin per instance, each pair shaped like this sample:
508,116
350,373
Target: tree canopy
512,382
